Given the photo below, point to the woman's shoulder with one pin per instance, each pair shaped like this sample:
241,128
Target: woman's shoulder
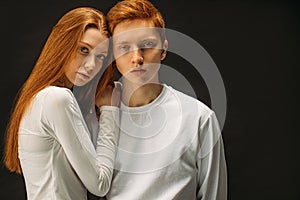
54,94
54,90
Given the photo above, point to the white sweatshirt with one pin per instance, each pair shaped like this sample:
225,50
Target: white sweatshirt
57,156
170,149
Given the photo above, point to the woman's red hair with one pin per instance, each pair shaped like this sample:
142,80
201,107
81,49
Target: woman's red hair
49,69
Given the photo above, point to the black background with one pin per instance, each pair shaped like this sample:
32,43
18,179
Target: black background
255,45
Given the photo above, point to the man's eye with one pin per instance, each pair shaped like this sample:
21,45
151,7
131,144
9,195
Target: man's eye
148,44
84,50
101,56
124,48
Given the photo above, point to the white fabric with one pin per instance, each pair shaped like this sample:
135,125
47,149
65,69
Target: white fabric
169,149
57,157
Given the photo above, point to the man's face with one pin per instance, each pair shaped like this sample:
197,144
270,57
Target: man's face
138,51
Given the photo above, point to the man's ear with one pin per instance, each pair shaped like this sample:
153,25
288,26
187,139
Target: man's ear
164,51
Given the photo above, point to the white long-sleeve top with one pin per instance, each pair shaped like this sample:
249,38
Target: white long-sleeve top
58,159
170,149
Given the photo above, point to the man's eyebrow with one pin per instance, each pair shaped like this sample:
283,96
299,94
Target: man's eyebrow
121,42
150,38
127,41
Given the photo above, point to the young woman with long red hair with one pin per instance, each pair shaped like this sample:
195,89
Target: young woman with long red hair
48,140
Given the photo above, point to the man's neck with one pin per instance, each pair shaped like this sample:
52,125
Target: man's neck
135,96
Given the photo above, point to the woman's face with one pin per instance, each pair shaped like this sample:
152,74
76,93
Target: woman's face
89,57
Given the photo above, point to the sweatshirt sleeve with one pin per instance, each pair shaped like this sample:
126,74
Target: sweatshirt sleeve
212,173
94,167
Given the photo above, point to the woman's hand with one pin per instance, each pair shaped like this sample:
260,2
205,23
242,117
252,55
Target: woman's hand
110,96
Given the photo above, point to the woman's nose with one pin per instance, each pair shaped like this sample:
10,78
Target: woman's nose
90,64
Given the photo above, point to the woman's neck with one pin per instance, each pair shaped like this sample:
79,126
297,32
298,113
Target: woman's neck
63,82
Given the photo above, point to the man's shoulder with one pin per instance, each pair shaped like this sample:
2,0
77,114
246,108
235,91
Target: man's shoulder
188,101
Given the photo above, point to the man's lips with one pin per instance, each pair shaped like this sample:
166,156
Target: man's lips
137,71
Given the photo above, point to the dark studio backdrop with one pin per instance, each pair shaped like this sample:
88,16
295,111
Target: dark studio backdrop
255,45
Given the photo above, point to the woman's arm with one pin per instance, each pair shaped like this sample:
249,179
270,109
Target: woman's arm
94,167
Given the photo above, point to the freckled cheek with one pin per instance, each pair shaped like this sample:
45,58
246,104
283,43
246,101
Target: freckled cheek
72,68
152,57
98,67
76,64
123,65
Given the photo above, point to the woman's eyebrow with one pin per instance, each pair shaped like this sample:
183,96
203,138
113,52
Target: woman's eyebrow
83,42
94,48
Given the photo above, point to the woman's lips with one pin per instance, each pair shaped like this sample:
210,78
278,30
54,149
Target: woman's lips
84,76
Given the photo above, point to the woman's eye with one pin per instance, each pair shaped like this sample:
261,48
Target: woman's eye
84,50
101,56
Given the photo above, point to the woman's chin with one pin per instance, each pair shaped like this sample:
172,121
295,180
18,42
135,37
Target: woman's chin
80,82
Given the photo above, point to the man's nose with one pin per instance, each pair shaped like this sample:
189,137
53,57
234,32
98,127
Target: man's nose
137,57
